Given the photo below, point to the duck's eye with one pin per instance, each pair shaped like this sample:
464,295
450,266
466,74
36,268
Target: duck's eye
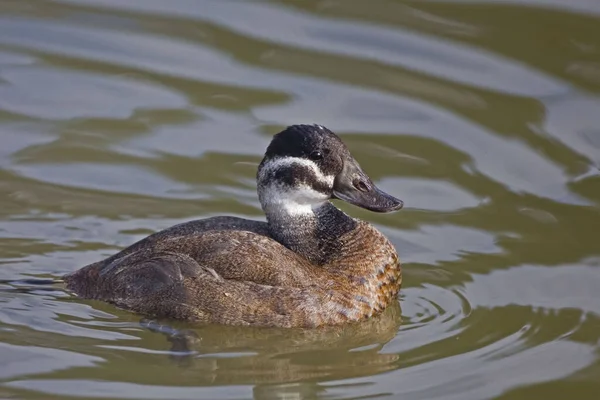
316,155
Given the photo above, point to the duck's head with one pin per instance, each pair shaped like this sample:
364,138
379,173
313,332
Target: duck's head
307,165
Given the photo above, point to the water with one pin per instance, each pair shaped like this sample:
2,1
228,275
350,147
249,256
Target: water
121,117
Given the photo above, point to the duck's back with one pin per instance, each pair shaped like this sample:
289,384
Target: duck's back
187,231
164,269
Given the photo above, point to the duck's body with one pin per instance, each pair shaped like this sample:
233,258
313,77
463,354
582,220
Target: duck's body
309,265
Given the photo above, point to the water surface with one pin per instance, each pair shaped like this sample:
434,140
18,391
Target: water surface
121,117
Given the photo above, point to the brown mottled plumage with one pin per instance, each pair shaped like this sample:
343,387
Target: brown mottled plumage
309,265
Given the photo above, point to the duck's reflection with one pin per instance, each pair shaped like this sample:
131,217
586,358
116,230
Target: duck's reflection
282,361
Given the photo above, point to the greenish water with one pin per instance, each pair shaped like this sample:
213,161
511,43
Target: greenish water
122,117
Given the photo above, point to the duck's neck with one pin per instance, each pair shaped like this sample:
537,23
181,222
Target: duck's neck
313,231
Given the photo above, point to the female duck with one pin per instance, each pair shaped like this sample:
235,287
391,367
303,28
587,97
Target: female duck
309,265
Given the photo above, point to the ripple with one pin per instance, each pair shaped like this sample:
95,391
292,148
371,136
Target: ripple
430,314
19,137
59,94
43,313
580,6
468,375
431,194
539,287
27,360
123,390
573,121
434,56
144,52
14,59
435,244
218,126
108,178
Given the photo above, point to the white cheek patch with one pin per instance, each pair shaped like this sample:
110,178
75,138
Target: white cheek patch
289,162
293,200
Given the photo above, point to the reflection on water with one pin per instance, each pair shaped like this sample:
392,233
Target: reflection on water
120,117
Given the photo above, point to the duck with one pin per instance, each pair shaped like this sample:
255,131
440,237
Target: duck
308,265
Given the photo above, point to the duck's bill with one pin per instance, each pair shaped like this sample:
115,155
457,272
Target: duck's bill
375,200
354,187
